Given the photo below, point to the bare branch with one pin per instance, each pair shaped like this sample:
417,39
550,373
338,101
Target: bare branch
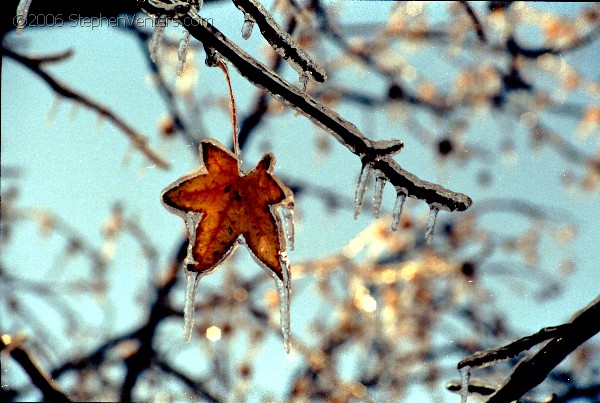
38,376
531,371
139,141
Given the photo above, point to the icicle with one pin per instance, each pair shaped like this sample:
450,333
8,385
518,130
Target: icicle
288,224
248,25
192,219
160,23
397,212
283,288
433,211
380,182
363,178
303,81
465,376
22,12
192,279
182,51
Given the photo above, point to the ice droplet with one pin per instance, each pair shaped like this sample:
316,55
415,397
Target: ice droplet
212,57
433,211
192,279
288,224
160,23
192,219
283,288
247,27
380,182
397,212
303,81
363,178
465,376
182,51
22,12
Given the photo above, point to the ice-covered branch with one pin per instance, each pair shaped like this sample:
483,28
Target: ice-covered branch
490,357
280,40
38,376
531,371
139,141
344,131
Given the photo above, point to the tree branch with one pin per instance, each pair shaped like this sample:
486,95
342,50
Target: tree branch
139,141
344,131
38,376
531,371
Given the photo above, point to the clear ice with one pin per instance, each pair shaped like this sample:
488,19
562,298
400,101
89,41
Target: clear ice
247,27
22,12
433,211
303,81
283,289
288,224
192,219
160,23
182,51
192,279
465,376
397,212
380,182
363,178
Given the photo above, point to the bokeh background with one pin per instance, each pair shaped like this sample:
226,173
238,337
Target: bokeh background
87,248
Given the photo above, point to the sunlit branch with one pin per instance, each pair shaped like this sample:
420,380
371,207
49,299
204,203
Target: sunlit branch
38,376
345,132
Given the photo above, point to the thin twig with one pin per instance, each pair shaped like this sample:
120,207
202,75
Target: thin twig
476,23
39,377
139,141
531,371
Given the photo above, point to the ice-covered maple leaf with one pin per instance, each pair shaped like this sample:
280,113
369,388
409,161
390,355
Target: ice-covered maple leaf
231,205
223,207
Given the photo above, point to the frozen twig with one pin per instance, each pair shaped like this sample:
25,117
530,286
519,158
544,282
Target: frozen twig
280,40
345,132
139,141
532,370
490,357
38,376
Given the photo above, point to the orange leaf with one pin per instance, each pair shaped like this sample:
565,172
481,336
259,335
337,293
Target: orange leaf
232,204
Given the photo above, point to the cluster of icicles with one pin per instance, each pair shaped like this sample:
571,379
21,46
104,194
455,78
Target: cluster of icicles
380,180
160,25
192,219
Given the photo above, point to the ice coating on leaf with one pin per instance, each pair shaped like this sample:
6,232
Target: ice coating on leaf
22,12
465,376
160,24
182,51
433,211
380,182
361,185
192,279
192,219
247,26
397,212
288,224
283,289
